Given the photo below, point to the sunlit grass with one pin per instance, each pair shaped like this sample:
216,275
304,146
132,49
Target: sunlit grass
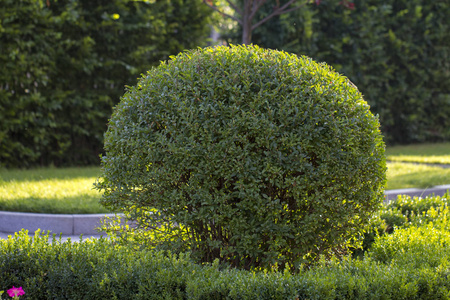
438,153
420,159
50,190
407,175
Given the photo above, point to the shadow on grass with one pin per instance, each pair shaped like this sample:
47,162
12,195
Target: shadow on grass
39,174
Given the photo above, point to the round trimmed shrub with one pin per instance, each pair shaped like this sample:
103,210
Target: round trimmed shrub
254,157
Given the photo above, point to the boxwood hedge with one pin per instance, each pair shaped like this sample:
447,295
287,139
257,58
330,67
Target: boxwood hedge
260,157
99,269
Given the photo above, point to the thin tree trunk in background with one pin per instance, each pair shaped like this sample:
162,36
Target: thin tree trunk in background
246,15
247,24
246,36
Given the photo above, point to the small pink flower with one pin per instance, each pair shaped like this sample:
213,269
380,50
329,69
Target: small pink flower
317,2
15,292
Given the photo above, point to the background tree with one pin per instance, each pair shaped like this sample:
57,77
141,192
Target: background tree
396,52
244,12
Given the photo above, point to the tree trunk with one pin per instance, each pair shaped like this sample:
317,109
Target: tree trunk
247,23
247,33
249,11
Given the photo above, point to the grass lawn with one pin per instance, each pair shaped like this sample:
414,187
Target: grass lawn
408,175
50,190
70,190
438,153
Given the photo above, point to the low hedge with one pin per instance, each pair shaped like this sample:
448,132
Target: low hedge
102,269
407,212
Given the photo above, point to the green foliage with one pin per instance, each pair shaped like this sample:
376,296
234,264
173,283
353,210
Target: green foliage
411,263
251,156
393,218
89,270
416,246
420,243
65,64
396,52
99,269
421,210
406,212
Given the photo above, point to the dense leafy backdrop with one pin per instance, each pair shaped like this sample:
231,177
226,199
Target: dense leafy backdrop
64,64
396,51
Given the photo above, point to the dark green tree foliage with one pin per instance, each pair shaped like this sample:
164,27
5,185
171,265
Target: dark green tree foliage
65,64
27,60
260,157
396,52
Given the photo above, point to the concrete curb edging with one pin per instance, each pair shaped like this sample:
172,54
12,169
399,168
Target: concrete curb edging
86,224
65,224
438,190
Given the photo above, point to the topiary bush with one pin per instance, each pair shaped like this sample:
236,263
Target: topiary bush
254,157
